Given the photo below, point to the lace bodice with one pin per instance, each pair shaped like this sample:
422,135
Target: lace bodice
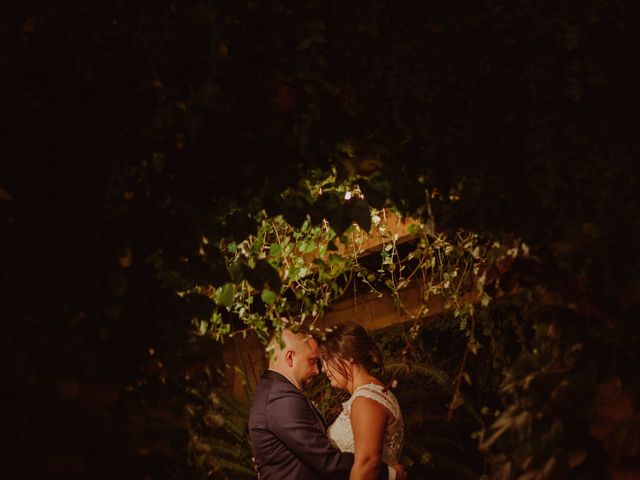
341,432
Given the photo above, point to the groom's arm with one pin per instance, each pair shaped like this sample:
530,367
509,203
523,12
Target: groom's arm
291,419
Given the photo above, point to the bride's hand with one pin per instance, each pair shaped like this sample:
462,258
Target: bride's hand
401,473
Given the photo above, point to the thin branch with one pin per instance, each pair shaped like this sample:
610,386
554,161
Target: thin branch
458,380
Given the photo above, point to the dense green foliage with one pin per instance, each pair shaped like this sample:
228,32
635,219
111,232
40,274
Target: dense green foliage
138,136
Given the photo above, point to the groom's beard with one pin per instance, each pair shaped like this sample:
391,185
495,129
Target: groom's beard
307,383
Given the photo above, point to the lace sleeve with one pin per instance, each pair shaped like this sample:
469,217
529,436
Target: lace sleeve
376,393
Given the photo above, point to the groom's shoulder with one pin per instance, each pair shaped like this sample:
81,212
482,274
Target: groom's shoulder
274,394
273,385
274,381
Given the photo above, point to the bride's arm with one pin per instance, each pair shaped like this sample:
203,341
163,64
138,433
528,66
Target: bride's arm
368,420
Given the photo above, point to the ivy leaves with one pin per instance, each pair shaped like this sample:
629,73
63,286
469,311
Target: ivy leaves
284,269
224,295
298,272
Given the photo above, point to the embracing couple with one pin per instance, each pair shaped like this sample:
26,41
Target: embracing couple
289,437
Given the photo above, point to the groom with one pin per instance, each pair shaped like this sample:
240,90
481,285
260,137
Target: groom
288,435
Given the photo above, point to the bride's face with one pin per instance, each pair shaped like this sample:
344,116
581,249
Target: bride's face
337,379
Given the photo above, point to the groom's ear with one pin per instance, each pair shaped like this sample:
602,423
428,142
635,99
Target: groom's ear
289,356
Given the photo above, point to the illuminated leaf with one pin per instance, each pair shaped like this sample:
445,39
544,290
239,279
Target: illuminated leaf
268,296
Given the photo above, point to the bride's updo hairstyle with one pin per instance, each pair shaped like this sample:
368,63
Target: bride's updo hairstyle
349,342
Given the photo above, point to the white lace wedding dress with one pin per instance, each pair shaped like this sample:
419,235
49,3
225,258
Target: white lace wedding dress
341,433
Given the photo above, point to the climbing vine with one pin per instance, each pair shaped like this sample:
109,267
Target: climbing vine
285,274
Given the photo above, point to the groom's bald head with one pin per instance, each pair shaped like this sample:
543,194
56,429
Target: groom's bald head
294,355
279,344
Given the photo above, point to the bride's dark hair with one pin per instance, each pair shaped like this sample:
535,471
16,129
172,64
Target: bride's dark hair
348,342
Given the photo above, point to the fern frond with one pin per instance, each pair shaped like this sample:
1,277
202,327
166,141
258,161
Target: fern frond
236,430
419,454
226,449
434,443
454,468
225,464
436,374
417,420
232,405
396,368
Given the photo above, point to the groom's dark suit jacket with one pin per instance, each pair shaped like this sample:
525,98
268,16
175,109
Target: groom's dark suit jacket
289,436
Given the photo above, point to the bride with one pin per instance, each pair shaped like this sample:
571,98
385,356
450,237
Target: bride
370,424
